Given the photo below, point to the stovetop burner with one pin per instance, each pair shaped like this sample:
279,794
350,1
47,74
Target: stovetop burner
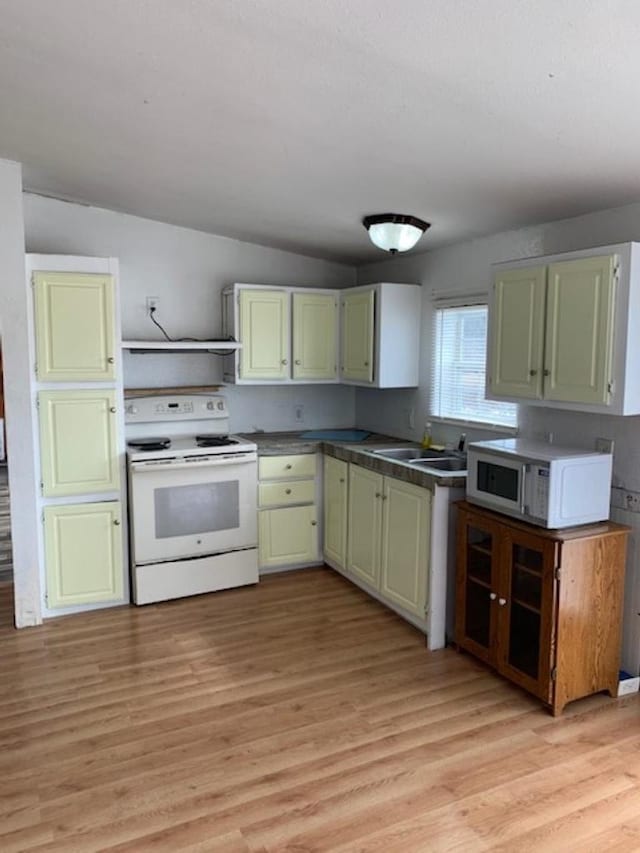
213,440
155,443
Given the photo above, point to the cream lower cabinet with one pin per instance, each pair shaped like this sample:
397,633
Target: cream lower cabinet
287,513
78,445
336,473
406,535
288,535
389,538
83,547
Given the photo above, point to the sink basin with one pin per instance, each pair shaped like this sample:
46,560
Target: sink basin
447,464
408,454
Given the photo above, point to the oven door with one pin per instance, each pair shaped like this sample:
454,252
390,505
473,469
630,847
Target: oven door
496,481
191,508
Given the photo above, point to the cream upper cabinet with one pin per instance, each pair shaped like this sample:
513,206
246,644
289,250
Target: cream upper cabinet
357,335
579,341
74,320
83,547
264,332
288,335
564,331
364,524
406,520
380,335
336,473
78,446
315,322
517,336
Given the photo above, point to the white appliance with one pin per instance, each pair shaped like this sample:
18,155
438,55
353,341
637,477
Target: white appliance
545,485
192,498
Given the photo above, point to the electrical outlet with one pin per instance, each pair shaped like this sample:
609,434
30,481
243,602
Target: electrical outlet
298,414
152,304
605,445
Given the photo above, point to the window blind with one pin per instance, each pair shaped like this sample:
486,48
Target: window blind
459,366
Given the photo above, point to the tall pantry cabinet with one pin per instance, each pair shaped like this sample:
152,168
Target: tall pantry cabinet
77,385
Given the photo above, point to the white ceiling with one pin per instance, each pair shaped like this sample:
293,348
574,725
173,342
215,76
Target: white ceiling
285,121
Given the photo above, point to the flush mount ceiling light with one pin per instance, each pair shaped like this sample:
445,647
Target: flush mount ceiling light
394,232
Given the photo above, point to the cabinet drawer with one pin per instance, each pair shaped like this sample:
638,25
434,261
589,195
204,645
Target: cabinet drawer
284,467
277,494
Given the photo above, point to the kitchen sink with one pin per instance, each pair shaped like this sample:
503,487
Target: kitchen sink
408,454
447,464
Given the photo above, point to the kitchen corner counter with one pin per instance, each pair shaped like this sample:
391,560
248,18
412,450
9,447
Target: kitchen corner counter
358,452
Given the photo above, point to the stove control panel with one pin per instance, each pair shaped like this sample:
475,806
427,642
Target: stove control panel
175,408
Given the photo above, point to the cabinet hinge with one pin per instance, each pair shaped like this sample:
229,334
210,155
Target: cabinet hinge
554,673
611,387
557,572
35,370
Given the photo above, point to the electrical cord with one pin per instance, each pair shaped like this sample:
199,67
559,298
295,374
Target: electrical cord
152,311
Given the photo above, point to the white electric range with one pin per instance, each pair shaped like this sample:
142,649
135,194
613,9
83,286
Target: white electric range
192,498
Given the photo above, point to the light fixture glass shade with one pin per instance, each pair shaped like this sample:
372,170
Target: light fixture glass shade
394,232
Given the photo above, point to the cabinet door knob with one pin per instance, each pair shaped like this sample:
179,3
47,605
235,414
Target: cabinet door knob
113,409
366,364
342,479
111,359
287,467
378,494
533,372
384,497
287,491
546,372
502,602
298,361
116,521
284,361
313,523
492,596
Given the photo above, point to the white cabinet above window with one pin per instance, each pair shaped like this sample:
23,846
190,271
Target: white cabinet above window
564,331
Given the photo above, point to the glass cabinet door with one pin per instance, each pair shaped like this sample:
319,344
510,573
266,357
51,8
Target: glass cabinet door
526,608
476,587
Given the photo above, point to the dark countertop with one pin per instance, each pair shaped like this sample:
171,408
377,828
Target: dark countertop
358,452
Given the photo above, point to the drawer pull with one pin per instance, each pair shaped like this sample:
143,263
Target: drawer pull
378,495
287,491
284,361
342,479
116,521
313,523
113,410
533,372
110,360
298,361
288,467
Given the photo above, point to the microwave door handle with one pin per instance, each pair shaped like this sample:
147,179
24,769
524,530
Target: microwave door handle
523,491
178,466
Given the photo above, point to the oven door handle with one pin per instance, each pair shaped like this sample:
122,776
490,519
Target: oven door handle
182,466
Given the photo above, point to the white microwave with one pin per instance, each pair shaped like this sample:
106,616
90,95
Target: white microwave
545,485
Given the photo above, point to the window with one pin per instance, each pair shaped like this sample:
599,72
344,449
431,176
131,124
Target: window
458,373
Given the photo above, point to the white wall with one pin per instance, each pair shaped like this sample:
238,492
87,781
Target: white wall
14,328
466,268
187,271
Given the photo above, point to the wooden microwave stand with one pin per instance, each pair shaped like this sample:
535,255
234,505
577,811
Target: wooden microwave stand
543,607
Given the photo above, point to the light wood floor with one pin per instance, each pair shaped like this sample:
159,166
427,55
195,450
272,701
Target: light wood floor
298,715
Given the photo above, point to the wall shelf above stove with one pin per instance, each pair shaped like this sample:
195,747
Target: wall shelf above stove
180,346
